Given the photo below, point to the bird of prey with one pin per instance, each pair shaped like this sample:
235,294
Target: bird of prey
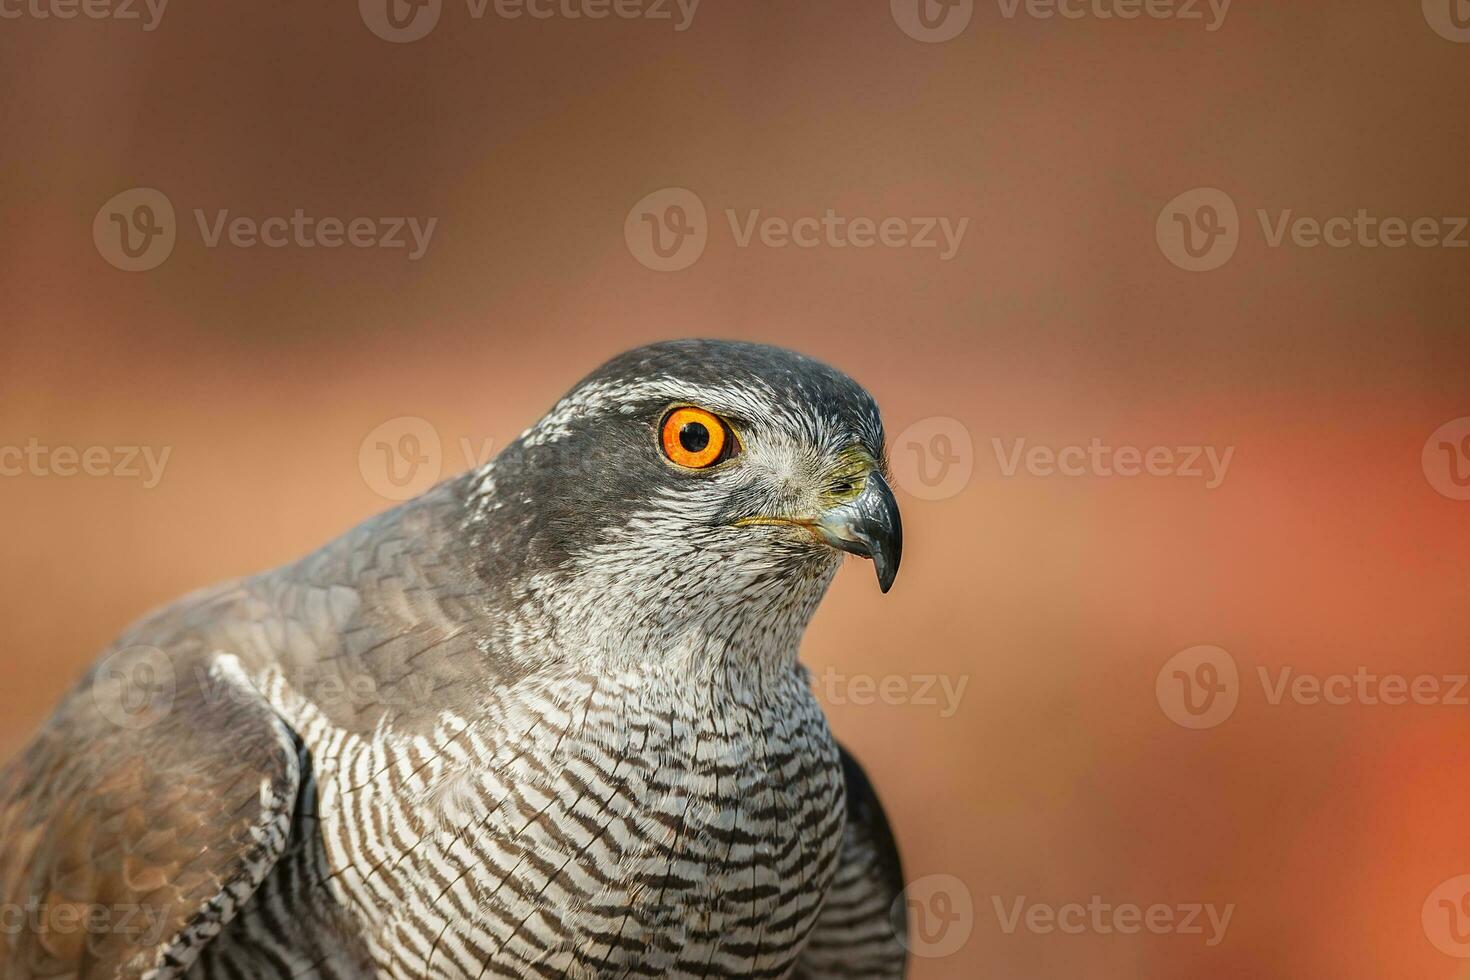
545,720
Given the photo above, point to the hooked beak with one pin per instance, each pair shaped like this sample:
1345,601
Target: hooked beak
867,525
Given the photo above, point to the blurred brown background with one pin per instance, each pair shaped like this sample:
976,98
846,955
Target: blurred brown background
1056,600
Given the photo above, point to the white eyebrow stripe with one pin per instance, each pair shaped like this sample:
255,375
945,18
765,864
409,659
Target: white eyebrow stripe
603,396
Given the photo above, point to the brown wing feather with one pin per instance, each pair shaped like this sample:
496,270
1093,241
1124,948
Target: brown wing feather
169,816
136,822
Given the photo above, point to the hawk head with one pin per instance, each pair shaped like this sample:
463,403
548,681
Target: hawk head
693,482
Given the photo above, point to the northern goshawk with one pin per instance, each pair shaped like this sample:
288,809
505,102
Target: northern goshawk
545,720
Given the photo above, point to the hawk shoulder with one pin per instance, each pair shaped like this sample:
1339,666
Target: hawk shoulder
141,817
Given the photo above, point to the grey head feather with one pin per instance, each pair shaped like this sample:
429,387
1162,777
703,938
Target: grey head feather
595,545
578,545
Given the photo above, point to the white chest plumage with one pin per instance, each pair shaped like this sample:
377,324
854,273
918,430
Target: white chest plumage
632,824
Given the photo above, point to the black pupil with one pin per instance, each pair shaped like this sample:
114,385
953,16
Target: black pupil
694,437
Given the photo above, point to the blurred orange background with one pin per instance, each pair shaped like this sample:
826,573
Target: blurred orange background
1056,600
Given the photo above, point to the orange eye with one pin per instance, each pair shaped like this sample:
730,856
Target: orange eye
694,438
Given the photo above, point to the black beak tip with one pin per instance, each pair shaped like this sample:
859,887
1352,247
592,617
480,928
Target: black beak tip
887,555
870,527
